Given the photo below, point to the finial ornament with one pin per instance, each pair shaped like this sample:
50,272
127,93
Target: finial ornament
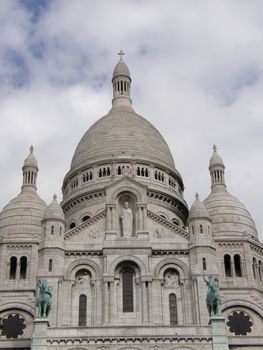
214,148
197,195
55,197
121,53
31,149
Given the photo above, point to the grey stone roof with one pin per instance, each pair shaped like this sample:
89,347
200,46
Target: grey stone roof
54,210
121,68
23,214
122,134
228,214
198,210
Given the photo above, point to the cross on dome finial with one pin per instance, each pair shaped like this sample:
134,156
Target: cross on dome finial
197,195
121,53
215,148
31,149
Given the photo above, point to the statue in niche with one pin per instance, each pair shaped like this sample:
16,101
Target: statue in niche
83,278
126,219
171,279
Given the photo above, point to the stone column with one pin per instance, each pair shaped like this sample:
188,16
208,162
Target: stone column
233,272
106,302
39,337
220,339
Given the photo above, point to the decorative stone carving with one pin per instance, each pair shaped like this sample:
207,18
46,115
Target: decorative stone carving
94,233
127,219
171,279
12,326
83,279
126,170
158,232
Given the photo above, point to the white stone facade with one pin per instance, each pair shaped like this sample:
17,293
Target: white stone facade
143,289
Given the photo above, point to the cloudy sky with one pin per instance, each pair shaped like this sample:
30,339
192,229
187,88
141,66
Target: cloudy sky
197,76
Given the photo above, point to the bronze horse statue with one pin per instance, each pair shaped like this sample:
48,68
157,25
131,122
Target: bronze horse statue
213,296
43,301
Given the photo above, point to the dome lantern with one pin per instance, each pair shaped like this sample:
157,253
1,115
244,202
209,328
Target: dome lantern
217,171
121,83
30,170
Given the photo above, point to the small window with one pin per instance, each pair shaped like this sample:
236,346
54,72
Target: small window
72,225
85,218
60,231
193,230
52,230
50,265
204,263
227,264
23,267
13,265
173,309
201,228
237,263
82,310
127,291
254,265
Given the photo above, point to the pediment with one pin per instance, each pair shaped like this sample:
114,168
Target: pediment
90,230
126,184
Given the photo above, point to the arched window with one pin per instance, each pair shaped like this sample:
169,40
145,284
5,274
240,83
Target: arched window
85,218
204,263
82,310
23,267
254,264
201,228
260,270
52,230
50,265
127,291
13,264
72,225
227,263
173,309
237,263
193,230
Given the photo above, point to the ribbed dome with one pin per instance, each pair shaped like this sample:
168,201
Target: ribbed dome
54,211
198,210
122,134
22,215
229,216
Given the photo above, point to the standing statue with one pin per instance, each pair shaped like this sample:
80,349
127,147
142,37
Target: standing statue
126,218
43,301
213,296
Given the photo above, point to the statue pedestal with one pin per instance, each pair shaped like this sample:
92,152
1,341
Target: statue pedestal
39,336
220,339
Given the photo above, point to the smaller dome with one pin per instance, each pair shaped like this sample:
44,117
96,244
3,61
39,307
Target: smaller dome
229,216
22,215
54,211
198,210
216,159
31,160
121,68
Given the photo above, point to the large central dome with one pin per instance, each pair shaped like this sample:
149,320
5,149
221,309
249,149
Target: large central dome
122,134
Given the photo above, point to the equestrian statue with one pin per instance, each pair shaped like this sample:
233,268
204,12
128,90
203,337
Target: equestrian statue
213,297
43,301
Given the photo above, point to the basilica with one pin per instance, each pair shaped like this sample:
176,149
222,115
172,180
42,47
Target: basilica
127,265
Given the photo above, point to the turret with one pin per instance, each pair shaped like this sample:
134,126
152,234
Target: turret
30,170
217,172
121,83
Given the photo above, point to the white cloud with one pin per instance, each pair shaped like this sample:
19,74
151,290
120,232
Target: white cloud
197,76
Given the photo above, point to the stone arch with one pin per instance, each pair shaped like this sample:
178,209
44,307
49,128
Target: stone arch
88,264
242,303
182,347
121,259
17,306
126,187
172,263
